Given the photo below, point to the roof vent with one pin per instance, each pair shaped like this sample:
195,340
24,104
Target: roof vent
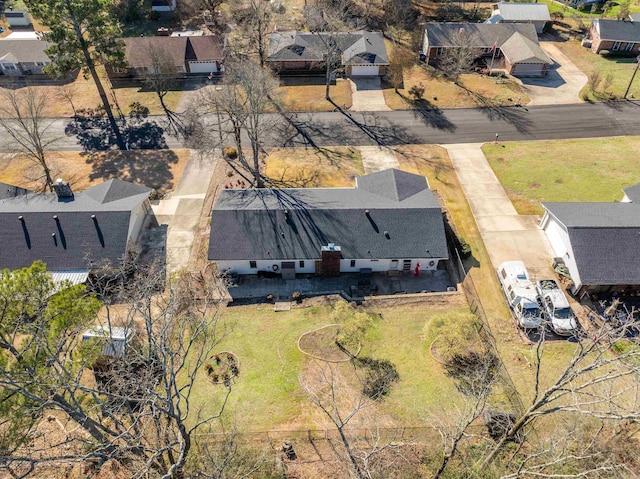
55,217
386,235
21,218
62,189
366,212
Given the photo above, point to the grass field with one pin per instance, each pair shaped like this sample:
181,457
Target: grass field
311,97
620,68
82,93
310,167
159,169
267,394
589,170
475,90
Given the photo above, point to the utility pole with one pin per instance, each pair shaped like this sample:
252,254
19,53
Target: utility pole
632,77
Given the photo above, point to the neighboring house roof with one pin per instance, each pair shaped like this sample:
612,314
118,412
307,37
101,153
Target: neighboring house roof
362,48
481,34
520,49
634,17
24,51
116,339
633,193
74,239
10,191
617,30
294,223
139,51
523,11
605,239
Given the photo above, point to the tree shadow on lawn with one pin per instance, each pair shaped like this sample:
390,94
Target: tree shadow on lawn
94,133
152,170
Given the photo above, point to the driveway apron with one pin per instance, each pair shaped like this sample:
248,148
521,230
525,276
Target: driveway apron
181,211
506,234
366,95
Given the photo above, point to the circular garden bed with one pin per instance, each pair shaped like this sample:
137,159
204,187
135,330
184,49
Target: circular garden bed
322,344
222,368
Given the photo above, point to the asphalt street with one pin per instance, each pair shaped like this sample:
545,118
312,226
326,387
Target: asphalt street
431,126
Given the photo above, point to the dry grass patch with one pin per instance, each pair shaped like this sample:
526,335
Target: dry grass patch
311,97
474,90
159,169
82,93
310,167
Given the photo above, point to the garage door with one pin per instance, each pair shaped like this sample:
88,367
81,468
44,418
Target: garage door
202,67
364,70
527,69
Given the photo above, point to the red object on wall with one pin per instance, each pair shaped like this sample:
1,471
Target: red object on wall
416,272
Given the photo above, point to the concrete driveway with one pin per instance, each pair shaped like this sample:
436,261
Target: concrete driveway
366,95
562,84
506,234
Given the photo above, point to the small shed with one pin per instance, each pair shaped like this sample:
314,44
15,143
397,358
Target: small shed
115,339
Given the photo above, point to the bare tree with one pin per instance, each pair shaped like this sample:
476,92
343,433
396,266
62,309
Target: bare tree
136,409
459,58
401,60
601,380
23,117
161,78
255,18
239,105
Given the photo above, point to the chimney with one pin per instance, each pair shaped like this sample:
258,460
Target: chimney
62,189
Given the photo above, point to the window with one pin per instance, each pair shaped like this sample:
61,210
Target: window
9,66
628,47
253,265
616,46
504,273
353,263
439,51
301,264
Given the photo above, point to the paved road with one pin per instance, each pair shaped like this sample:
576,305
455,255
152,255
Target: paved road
441,126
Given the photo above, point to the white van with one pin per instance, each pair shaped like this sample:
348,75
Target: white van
521,294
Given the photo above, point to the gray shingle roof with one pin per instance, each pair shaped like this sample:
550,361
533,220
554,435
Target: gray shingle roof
633,193
520,49
78,238
252,224
617,30
483,35
524,11
24,51
361,48
605,238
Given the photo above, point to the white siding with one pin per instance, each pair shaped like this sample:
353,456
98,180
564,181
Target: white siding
243,266
561,244
136,221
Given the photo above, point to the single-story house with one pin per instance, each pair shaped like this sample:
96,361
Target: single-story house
535,13
187,54
17,18
513,47
622,36
361,53
598,242
389,221
23,57
71,231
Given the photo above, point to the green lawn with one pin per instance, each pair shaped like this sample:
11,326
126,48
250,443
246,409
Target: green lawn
565,170
267,394
621,68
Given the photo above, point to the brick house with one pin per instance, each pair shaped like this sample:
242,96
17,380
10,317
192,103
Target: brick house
613,36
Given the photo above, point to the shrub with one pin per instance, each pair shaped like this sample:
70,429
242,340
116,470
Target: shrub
463,247
353,326
417,91
230,152
474,372
380,376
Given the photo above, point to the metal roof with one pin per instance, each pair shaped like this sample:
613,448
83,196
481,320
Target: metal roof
523,11
73,277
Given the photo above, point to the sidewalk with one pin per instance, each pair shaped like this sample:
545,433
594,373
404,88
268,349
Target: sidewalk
506,234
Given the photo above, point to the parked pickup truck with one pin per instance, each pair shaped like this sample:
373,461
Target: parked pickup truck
555,305
520,293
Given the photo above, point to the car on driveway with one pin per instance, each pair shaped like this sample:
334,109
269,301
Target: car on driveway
558,312
520,293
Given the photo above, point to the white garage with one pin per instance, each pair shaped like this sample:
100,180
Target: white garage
365,70
203,67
